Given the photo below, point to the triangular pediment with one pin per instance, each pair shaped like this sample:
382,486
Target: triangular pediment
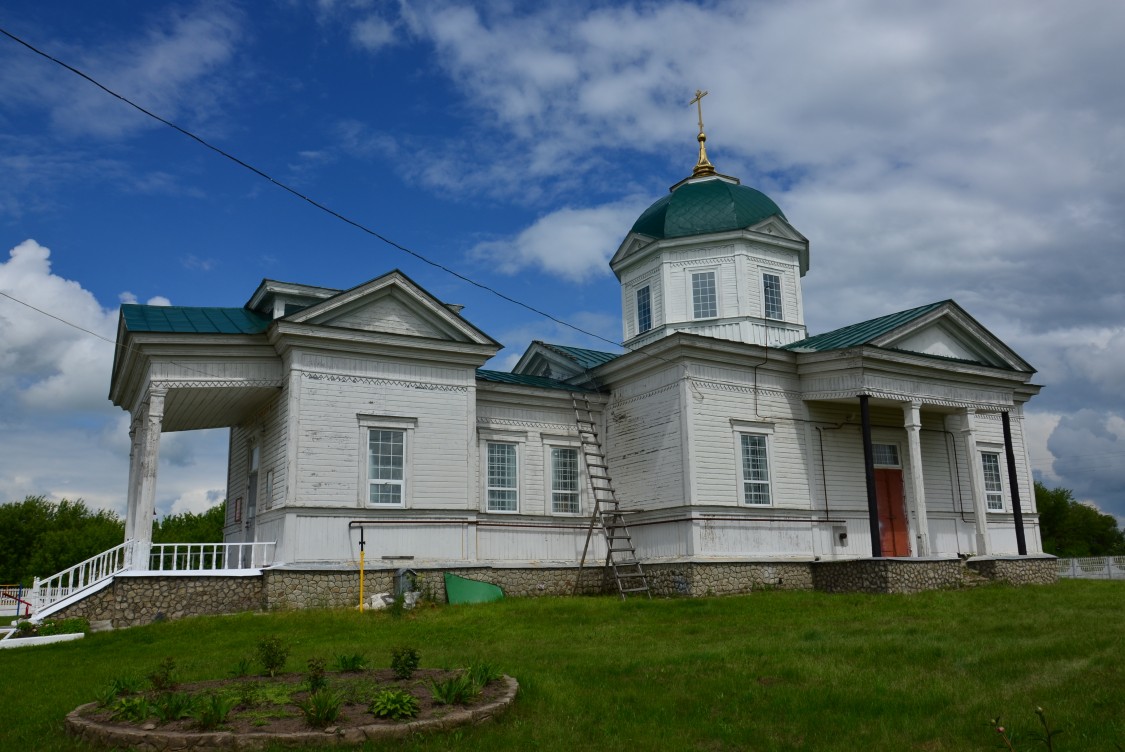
632,243
949,332
779,228
541,360
392,304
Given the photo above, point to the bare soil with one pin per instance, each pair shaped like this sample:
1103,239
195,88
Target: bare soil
269,705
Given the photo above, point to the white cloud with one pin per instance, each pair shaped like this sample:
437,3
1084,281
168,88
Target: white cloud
49,365
373,33
197,500
59,435
166,71
574,244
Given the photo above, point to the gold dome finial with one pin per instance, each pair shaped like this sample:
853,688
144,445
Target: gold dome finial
703,167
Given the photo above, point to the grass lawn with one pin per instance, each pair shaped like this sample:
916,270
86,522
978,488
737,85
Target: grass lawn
767,671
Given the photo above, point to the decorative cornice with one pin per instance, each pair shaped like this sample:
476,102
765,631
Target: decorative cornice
645,395
214,383
369,380
708,259
483,421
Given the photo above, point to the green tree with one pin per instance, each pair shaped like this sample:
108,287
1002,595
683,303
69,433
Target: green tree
1070,528
189,527
40,537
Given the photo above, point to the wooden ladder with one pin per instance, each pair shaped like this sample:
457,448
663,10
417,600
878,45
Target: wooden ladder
620,557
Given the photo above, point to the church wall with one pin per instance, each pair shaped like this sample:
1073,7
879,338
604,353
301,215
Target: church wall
535,426
646,274
716,451
645,441
341,397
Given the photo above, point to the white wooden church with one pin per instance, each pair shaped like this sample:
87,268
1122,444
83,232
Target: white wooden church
730,433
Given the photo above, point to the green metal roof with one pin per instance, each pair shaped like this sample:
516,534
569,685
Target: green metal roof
705,206
187,320
501,377
863,332
581,356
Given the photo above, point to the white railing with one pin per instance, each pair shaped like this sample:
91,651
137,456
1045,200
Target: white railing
44,593
209,557
1093,568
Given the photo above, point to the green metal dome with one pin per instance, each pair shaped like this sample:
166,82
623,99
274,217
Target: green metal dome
699,207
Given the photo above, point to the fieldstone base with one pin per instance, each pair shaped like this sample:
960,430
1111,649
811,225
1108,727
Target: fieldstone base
130,601
1017,570
886,575
696,579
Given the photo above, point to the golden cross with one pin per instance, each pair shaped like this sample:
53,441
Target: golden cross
698,102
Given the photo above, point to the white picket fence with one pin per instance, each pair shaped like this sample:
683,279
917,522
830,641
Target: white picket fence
1093,568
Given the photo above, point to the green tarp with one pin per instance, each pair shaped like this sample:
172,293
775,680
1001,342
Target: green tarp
460,590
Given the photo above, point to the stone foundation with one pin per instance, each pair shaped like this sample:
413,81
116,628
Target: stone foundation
1037,570
130,601
695,579
886,575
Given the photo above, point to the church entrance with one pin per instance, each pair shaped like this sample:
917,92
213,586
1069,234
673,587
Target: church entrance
894,535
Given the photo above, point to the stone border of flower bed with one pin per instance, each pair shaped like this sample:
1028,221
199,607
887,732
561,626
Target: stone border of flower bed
157,741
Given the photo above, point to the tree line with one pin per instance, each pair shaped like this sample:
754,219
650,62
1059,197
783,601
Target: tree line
39,537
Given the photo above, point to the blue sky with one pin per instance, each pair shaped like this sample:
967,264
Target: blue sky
927,150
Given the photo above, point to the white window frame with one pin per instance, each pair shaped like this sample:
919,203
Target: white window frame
766,432
518,439
898,455
394,423
549,448
780,298
993,488
692,274
637,306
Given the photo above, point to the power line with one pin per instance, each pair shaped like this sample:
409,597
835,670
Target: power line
313,202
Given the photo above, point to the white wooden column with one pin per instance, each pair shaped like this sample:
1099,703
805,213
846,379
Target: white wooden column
131,491
912,411
976,480
150,458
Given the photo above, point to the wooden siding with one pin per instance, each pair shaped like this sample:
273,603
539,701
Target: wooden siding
332,451
387,314
644,442
716,456
535,428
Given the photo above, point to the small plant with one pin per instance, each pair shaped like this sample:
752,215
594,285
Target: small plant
321,707
404,661
172,706
483,673
244,667
133,708
456,690
248,694
107,696
1008,739
395,704
272,654
25,628
316,679
353,663
125,685
74,625
163,677
397,607
211,711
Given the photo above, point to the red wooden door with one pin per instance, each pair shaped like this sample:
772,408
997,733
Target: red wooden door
893,531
